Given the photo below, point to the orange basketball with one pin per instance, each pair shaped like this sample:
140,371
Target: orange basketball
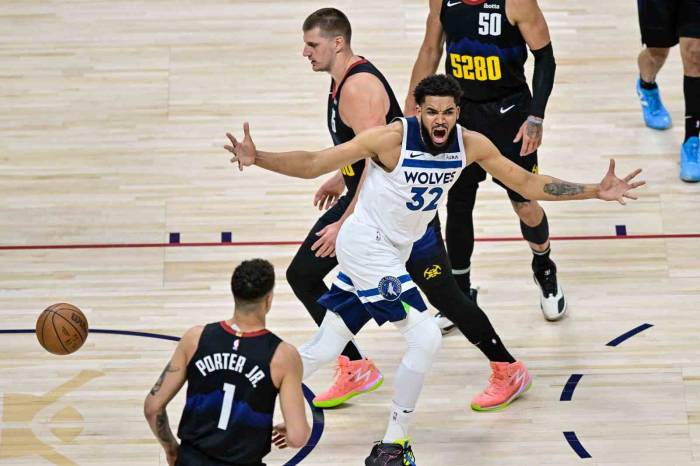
62,328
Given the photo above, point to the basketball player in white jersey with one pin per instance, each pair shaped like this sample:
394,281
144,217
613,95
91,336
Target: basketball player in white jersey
412,163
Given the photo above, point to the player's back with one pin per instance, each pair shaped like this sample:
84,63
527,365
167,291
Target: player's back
402,203
485,53
230,396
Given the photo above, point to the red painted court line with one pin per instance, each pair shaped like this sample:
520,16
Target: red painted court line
31,247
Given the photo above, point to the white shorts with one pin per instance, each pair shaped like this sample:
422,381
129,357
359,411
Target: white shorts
373,281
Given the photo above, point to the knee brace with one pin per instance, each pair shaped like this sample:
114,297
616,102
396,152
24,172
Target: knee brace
326,345
423,338
538,234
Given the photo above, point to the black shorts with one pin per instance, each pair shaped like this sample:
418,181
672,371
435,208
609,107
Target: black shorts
662,22
190,456
428,264
499,120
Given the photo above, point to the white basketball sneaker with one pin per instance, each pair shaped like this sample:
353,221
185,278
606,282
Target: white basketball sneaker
552,299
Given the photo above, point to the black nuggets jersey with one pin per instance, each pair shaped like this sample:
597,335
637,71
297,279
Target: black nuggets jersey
341,133
485,53
230,395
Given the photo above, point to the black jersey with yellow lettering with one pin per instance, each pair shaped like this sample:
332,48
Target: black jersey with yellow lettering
340,132
230,395
485,52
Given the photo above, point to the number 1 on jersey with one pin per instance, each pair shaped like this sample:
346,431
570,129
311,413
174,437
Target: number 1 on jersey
229,390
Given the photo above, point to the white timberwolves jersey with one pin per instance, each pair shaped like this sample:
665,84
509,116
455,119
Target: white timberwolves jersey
401,203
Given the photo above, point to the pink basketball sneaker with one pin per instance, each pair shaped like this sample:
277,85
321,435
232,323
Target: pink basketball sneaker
508,382
352,378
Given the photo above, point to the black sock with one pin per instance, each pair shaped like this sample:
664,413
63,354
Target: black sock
646,85
463,282
495,351
691,92
352,352
541,260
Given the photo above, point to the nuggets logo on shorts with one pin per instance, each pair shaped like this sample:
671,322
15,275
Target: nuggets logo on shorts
390,288
535,169
432,272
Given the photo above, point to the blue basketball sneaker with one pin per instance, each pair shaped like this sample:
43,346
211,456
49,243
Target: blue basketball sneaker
655,114
690,160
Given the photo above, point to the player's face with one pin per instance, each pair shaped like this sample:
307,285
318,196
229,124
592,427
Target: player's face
319,50
438,116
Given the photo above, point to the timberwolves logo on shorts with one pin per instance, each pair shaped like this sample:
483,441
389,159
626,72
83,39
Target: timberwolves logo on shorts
390,288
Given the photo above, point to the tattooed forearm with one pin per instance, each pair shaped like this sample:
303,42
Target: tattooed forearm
563,188
165,435
159,382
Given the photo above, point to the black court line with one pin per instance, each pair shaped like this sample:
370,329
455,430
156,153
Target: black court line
576,445
628,335
317,413
574,379
570,386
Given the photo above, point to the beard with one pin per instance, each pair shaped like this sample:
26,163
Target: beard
434,149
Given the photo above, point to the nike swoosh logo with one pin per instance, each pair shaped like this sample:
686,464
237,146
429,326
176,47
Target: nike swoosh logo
506,110
449,4
413,155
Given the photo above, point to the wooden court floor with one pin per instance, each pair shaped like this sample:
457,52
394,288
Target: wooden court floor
112,118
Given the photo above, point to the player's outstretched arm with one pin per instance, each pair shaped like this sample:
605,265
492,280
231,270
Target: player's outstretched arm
303,164
166,387
429,54
544,187
286,366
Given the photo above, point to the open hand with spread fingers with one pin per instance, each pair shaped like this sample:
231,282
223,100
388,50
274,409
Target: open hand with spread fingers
243,151
613,188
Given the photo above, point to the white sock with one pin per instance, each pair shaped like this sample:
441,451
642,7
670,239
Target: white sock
399,418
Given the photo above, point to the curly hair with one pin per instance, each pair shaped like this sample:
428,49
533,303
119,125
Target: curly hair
252,280
438,85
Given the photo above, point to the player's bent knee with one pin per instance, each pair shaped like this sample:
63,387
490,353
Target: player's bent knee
538,234
298,276
424,340
658,54
691,57
326,345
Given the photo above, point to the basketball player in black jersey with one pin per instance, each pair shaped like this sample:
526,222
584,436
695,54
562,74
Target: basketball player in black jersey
665,23
234,370
487,45
360,98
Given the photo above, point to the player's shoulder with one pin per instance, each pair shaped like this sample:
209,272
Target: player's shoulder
522,8
393,132
285,359
192,335
362,84
473,138
523,3
286,354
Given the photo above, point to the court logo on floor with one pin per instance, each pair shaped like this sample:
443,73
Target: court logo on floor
20,412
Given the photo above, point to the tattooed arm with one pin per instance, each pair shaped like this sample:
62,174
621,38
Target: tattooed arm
166,387
542,187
